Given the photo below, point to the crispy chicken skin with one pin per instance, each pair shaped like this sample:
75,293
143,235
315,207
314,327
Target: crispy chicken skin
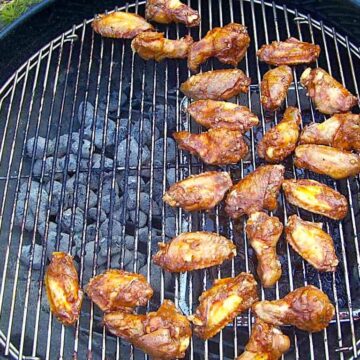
222,303
311,242
221,114
120,25
193,251
307,308
215,147
328,95
199,192
280,141
326,160
341,131
274,87
168,11
216,85
164,334
257,191
288,52
118,289
316,197
62,288
266,342
264,232
228,44
153,45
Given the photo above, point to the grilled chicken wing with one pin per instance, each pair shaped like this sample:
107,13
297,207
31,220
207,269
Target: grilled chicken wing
280,141
264,232
316,197
153,45
120,25
62,288
118,289
328,95
289,52
274,87
341,131
311,242
222,303
266,342
228,44
307,308
193,251
199,192
257,191
164,334
326,160
168,11
215,147
221,114
216,85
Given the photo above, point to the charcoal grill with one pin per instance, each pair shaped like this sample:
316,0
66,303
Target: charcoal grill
81,83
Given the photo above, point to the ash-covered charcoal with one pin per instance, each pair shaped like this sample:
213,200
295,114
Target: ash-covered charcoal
145,133
80,195
133,154
129,242
130,199
90,247
101,128
106,203
139,221
105,244
86,113
96,162
116,229
167,114
55,197
92,214
155,278
107,186
118,214
52,227
131,182
40,147
78,220
143,236
170,151
64,243
170,176
144,204
90,233
75,145
170,227
26,251
47,167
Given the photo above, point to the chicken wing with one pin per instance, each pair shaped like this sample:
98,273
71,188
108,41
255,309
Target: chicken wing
316,197
280,141
221,114
288,52
264,232
216,85
153,45
311,242
193,251
199,192
326,160
257,191
228,44
120,25
215,147
62,288
341,131
307,308
164,334
118,289
222,303
266,342
168,11
328,95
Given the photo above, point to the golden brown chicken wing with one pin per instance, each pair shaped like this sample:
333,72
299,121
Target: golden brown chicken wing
120,25
316,197
328,95
326,160
215,147
199,192
257,191
311,242
280,141
228,44
164,334
118,289
221,114
193,251
341,131
266,342
288,52
222,303
153,45
168,11
216,85
264,232
62,288
307,308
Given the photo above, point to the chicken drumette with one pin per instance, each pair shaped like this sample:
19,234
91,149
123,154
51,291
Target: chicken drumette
222,303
